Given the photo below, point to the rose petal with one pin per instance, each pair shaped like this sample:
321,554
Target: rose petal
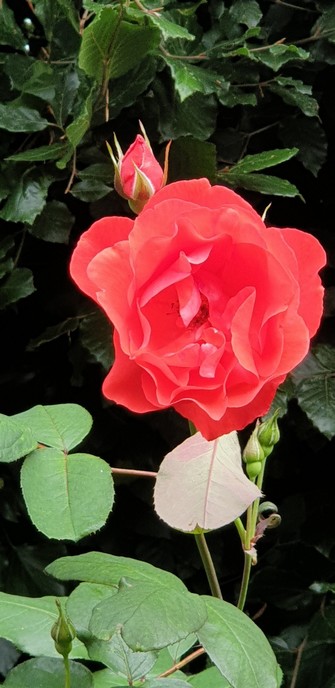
103,233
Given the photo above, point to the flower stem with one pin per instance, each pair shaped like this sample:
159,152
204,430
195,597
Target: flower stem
208,565
241,530
252,513
67,672
245,581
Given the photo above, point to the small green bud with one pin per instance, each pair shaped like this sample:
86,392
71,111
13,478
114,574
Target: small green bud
254,469
63,632
268,433
253,451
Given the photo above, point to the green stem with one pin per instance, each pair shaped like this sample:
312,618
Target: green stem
252,514
208,565
67,672
241,530
245,581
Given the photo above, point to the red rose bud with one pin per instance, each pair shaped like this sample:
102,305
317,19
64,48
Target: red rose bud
138,175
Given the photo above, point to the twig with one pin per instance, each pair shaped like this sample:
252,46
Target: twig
131,471
73,173
300,651
183,662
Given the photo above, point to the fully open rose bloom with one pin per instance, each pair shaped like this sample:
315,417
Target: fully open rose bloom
211,309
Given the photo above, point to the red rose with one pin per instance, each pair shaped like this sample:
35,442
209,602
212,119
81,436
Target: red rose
211,309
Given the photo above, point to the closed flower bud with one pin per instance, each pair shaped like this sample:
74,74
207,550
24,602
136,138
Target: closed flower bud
138,175
268,434
63,632
254,469
253,451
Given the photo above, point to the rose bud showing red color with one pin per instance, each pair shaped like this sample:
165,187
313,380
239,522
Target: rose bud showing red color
211,309
138,175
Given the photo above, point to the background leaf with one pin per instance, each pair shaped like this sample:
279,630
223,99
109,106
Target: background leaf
20,118
28,198
53,224
15,441
18,285
314,381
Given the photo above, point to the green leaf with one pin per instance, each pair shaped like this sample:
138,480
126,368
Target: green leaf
111,47
309,137
326,23
53,332
15,441
235,96
107,569
68,496
148,615
195,116
28,198
100,171
18,285
260,161
295,92
81,603
138,79
170,29
27,622
108,679
278,55
61,426
78,128
314,381
6,244
165,683
9,656
189,79
118,657
96,337
5,187
6,266
66,89
192,159
246,12
52,152
238,647
90,190
70,12
47,672
263,183
28,75
98,40
10,33
20,118
209,678
53,224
